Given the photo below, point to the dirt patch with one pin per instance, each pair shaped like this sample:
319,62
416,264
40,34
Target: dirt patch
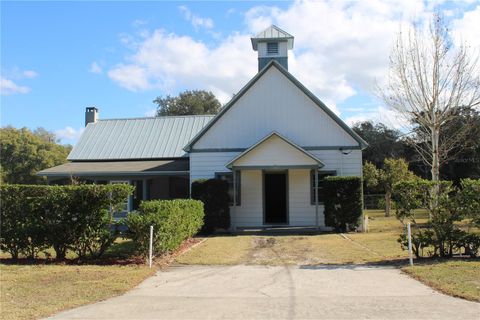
263,242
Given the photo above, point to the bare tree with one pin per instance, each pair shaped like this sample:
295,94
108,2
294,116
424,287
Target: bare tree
429,80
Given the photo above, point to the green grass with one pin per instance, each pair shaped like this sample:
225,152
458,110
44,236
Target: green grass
30,291
35,291
456,278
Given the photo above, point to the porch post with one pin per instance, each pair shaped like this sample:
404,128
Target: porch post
144,189
233,217
316,196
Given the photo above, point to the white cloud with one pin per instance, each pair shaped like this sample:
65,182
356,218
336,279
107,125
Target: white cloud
467,28
8,87
341,48
168,61
380,114
30,74
69,134
95,68
196,21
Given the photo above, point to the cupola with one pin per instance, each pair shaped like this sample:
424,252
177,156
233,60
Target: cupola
272,44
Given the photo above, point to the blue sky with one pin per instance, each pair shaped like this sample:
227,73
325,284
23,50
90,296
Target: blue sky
59,57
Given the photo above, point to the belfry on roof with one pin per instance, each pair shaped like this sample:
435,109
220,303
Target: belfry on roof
272,44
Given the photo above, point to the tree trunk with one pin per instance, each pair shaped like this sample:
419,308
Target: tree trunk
435,155
388,203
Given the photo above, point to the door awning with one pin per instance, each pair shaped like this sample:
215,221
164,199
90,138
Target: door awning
118,168
275,151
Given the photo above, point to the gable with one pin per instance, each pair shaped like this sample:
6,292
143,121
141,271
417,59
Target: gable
275,151
274,101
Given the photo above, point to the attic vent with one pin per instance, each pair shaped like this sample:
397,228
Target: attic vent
272,48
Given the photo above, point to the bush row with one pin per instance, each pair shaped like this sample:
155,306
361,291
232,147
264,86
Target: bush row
78,218
214,194
447,207
173,221
343,202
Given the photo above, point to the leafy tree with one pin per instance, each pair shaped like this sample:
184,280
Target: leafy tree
383,142
394,170
188,103
24,153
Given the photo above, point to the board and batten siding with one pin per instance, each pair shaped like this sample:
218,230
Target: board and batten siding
274,103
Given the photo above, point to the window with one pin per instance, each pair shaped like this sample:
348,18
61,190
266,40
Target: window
123,208
272,48
228,176
321,176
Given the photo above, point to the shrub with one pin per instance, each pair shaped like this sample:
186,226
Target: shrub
173,221
214,195
62,217
343,202
445,205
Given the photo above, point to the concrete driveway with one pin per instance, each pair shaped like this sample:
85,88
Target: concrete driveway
293,292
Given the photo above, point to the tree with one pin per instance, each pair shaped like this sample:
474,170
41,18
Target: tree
428,80
394,170
24,153
383,142
187,103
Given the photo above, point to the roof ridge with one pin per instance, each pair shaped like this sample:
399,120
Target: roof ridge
161,117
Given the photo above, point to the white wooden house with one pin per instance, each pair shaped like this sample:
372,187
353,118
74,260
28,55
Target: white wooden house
274,142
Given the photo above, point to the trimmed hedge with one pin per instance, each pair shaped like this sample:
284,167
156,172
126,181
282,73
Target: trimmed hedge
78,218
214,194
173,221
343,202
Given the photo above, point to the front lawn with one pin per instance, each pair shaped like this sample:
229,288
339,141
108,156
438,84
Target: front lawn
456,278
35,291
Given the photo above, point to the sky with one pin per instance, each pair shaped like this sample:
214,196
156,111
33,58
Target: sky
57,58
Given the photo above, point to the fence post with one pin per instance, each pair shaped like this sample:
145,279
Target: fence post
409,233
365,223
150,248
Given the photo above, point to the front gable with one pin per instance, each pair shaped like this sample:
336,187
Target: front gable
275,151
274,101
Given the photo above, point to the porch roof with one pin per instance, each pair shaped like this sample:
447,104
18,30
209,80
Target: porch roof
118,168
272,152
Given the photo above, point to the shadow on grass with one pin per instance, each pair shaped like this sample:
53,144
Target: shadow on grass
123,252
387,264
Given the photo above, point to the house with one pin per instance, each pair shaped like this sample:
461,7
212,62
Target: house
273,142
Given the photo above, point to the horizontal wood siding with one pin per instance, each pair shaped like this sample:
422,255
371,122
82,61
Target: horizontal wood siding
301,212
250,213
274,103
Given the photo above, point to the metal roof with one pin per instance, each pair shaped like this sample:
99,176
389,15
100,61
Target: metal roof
117,168
137,138
272,33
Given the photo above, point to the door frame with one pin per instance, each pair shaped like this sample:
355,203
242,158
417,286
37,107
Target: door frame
287,203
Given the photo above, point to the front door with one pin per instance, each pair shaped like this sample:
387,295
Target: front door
275,197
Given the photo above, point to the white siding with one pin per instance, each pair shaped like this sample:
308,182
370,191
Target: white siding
344,164
301,211
274,151
250,212
282,49
274,103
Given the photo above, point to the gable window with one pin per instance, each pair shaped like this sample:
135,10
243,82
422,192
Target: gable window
228,176
313,187
272,48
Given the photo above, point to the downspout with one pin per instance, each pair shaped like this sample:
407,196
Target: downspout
233,216
316,198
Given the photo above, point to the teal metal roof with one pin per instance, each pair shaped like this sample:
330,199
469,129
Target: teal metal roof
270,34
137,138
